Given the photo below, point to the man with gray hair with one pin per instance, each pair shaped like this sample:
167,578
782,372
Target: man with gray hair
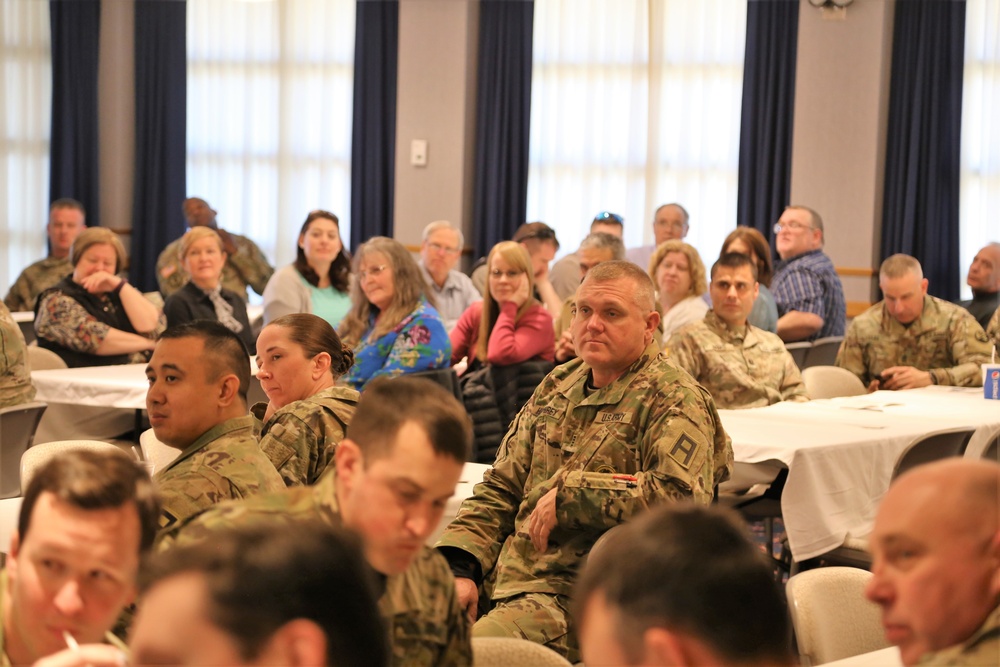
439,254
911,339
984,279
670,222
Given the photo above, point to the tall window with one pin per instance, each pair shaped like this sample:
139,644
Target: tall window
270,90
979,201
636,103
26,91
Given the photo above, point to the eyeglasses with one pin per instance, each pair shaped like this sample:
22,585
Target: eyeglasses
374,271
608,216
497,273
792,226
437,247
676,225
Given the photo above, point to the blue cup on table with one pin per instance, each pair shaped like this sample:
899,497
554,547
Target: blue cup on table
991,381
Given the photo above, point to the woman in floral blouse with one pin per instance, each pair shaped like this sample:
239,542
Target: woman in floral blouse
392,325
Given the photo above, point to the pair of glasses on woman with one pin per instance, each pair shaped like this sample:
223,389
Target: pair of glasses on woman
374,271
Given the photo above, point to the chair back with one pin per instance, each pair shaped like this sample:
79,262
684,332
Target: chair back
823,351
446,377
39,455
798,352
506,651
155,452
932,447
44,360
17,432
831,381
988,448
831,617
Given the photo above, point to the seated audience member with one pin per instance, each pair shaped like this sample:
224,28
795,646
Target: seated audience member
93,317
984,279
565,274
319,280
245,264
540,241
603,438
300,357
670,223
993,331
203,297
508,326
598,247
66,221
197,403
274,594
681,585
393,325
679,274
910,339
806,287
748,241
740,365
453,291
936,563
390,483
15,375
86,519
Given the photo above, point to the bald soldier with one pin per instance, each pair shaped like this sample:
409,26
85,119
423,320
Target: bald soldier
936,563
910,339
603,438
740,365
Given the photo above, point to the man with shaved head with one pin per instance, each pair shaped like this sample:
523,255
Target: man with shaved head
936,565
984,279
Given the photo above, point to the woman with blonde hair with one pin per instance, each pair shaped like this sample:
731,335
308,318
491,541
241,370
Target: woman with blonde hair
393,325
679,276
203,297
509,325
750,242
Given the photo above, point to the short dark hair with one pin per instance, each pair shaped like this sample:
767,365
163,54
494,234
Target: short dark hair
315,335
388,403
694,569
95,480
734,260
536,232
340,269
67,202
224,350
260,577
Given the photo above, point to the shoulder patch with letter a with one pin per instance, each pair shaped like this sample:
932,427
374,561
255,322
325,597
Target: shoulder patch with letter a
683,450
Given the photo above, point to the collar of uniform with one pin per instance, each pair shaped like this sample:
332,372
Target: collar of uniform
725,332
573,385
217,431
325,497
892,326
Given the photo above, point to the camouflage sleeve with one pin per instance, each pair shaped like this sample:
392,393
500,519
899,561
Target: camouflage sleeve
293,448
19,299
993,330
792,387
186,495
684,353
851,354
169,274
970,348
251,264
63,320
457,650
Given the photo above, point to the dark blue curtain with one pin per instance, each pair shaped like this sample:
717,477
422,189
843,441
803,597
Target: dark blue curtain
73,157
160,133
920,211
373,145
765,170
503,120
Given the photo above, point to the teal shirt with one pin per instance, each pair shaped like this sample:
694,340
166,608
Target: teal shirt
329,303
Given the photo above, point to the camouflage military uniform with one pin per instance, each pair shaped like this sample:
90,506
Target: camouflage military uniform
34,280
993,330
651,436
745,368
945,340
420,606
301,437
248,266
224,463
15,375
982,649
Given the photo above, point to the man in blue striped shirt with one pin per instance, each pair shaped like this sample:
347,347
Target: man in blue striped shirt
807,290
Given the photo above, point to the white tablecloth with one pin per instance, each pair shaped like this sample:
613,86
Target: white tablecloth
122,386
840,452
885,657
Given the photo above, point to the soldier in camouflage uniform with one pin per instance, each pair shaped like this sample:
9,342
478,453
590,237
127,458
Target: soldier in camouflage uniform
198,379
993,330
15,376
245,262
299,358
910,339
390,483
740,365
66,221
603,438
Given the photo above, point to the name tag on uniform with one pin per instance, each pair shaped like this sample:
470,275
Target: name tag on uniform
614,417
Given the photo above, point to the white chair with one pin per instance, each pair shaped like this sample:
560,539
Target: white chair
39,455
17,432
831,617
154,451
41,359
823,351
506,651
831,381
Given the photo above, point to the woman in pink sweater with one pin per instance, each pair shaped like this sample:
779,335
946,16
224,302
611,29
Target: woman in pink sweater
509,325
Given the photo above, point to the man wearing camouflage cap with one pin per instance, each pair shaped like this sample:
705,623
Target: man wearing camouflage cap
603,438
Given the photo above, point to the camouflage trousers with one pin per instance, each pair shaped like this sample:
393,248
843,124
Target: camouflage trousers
542,618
